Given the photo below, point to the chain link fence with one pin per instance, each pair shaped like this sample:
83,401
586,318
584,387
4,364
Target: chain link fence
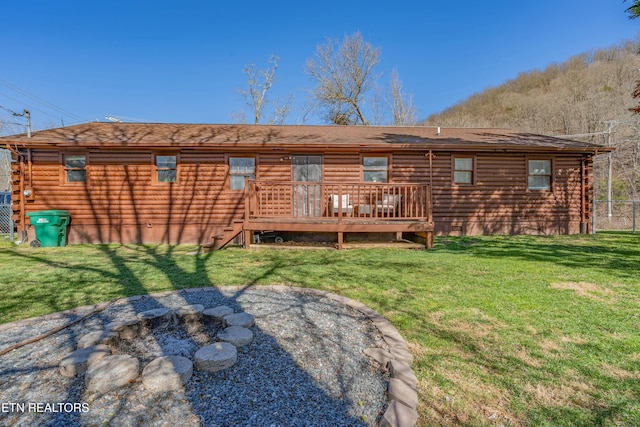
6,223
616,215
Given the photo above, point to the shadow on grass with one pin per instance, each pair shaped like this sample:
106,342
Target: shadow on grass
615,253
297,384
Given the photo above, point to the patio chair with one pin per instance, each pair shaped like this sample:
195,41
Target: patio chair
347,208
388,205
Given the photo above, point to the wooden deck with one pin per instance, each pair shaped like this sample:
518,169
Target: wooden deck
338,208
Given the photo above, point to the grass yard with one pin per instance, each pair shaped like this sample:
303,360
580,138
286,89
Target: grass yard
520,330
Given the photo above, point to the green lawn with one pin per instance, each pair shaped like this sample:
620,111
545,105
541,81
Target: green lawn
517,330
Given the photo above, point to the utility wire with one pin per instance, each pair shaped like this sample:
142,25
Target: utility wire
9,111
40,100
30,106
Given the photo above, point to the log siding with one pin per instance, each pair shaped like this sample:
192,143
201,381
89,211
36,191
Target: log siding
121,200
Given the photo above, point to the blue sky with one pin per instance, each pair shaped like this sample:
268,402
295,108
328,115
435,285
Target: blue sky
182,61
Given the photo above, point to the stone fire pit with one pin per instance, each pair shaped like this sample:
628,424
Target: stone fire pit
168,344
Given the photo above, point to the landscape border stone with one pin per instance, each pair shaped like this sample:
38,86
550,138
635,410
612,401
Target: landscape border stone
167,373
111,372
126,329
236,335
215,357
243,319
189,313
90,339
77,362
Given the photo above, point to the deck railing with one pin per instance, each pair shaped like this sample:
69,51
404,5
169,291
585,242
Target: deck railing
328,201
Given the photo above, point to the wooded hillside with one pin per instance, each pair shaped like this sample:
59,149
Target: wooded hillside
590,93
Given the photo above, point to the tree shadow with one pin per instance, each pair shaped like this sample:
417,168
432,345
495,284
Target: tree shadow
587,251
273,382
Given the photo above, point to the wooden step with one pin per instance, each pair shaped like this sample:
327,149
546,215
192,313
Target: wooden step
229,233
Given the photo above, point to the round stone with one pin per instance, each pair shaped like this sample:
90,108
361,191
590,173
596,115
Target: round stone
190,313
216,357
111,372
236,335
126,329
77,362
156,318
98,337
167,373
245,320
218,312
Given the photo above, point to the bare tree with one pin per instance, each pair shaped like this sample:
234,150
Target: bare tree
5,170
344,73
402,109
260,82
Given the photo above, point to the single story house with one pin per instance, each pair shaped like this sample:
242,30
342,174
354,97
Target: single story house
191,183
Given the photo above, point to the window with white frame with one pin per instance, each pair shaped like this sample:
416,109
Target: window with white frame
463,170
166,168
375,169
75,167
539,175
239,169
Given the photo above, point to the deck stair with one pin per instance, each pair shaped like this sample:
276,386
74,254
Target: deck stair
229,233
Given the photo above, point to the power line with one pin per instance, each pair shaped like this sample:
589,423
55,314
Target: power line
40,100
8,110
26,114
30,106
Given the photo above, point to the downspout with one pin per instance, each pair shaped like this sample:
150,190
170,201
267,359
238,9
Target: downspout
587,198
26,191
23,201
431,156
30,163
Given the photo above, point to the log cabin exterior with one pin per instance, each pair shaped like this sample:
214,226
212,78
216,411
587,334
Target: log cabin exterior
173,183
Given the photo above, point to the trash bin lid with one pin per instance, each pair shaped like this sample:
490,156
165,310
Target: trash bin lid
53,212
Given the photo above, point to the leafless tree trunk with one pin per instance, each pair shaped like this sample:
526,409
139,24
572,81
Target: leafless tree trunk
5,170
344,74
281,111
404,113
260,82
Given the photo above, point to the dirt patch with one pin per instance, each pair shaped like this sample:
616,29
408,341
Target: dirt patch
181,339
469,401
472,322
529,360
550,346
571,394
576,340
619,373
585,289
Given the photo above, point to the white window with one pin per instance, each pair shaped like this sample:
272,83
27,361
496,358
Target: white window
463,170
75,167
239,169
166,168
539,177
375,169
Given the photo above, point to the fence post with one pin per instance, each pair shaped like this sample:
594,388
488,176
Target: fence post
634,216
595,215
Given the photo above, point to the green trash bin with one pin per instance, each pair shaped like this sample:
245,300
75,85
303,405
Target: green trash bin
50,226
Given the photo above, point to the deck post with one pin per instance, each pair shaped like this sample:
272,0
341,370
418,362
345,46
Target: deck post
339,207
247,235
340,239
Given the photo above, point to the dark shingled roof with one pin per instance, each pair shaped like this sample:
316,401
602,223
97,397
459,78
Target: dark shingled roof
252,137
